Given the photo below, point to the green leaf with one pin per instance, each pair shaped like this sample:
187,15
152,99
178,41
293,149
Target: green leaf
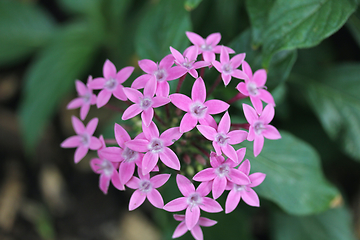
333,94
334,224
287,25
353,25
52,75
191,4
81,6
294,179
162,26
23,29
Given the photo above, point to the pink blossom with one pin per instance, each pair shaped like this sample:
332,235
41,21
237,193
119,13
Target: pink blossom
196,232
110,84
222,172
228,67
146,188
162,73
84,139
156,147
254,86
244,191
208,47
188,60
197,109
222,138
144,103
193,201
260,127
85,99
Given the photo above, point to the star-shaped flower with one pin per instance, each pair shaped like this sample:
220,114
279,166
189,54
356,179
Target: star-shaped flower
196,232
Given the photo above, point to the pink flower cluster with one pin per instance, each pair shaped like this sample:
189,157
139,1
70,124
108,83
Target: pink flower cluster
181,136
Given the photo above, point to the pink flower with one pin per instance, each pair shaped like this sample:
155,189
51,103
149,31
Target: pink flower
222,138
84,139
197,109
85,99
222,172
188,61
196,232
228,67
161,72
111,83
156,147
208,47
193,201
259,126
254,87
146,188
244,191
144,103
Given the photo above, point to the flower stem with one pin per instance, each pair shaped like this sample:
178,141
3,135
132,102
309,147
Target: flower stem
110,141
236,97
241,125
159,119
181,80
114,108
218,80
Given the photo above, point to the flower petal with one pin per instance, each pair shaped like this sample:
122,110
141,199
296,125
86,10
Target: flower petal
210,205
250,197
162,89
258,144
260,77
188,122
80,153
91,126
75,103
131,111
215,106
205,222
237,60
166,62
247,69
232,201
256,179
149,162
224,124
150,131
176,205
198,92
238,177
103,98
207,174
213,39
155,198
170,136
224,56
192,216
169,158
147,116
159,180
184,185
267,114
271,133
218,186
195,38
126,171
207,131
141,81
109,69
84,110
121,135
237,136
197,232
177,55
137,198
148,66
181,101
71,142
138,145
104,183
180,230
78,126
250,114
133,95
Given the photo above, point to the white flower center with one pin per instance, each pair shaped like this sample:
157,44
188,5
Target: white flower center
129,155
85,139
145,186
223,170
227,69
106,167
156,145
221,139
111,84
194,199
187,64
259,127
198,110
86,97
252,88
160,75
145,103
205,47
239,188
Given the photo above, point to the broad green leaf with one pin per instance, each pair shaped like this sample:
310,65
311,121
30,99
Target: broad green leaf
354,26
334,224
191,4
294,179
23,29
333,94
287,25
162,26
52,75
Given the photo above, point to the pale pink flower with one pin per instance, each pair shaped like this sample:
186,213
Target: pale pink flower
193,201
254,87
162,73
156,147
222,138
84,140
197,109
110,84
196,232
228,67
85,99
222,172
260,127
146,188
144,103
244,191
207,47
188,60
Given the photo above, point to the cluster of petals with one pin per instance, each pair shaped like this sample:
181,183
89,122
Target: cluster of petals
111,83
162,73
222,172
244,191
196,231
254,87
84,140
84,100
197,109
260,127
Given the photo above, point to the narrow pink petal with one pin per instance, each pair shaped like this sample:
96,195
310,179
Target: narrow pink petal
239,74
126,171
104,183
217,148
133,95
112,154
204,188
138,145
216,160
147,116
268,114
257,103
109,69
141,81
177,55
193,73
241,87
210,205
213,39
205,222
80,87
215,106
169,158
166,62
170,136
124,74
247,69
78,126
150,88
250,114
97,83
188,122
256,179
131,112
91,126
232,201
151,131
208,120
155,198
84,110
251,135
237,60
179,217
159,180
271,133
80,153
137,198
181,101
95,165
245,167
198,92
200,64
160,101
93,99
148,66
162,89
266,97
226,78
229,50
180,230
218,186
197,232
230,152
121,135
71,142
175,72
241,153
95,143
195,38
115,180
237,136
133,183
192,216
184,185
209,56
149,162
258,144
119,93
103,98
191,53
250,197
207,131
238,177
207,174
217,65
75,103
224,124
176,205
224,56
260,77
